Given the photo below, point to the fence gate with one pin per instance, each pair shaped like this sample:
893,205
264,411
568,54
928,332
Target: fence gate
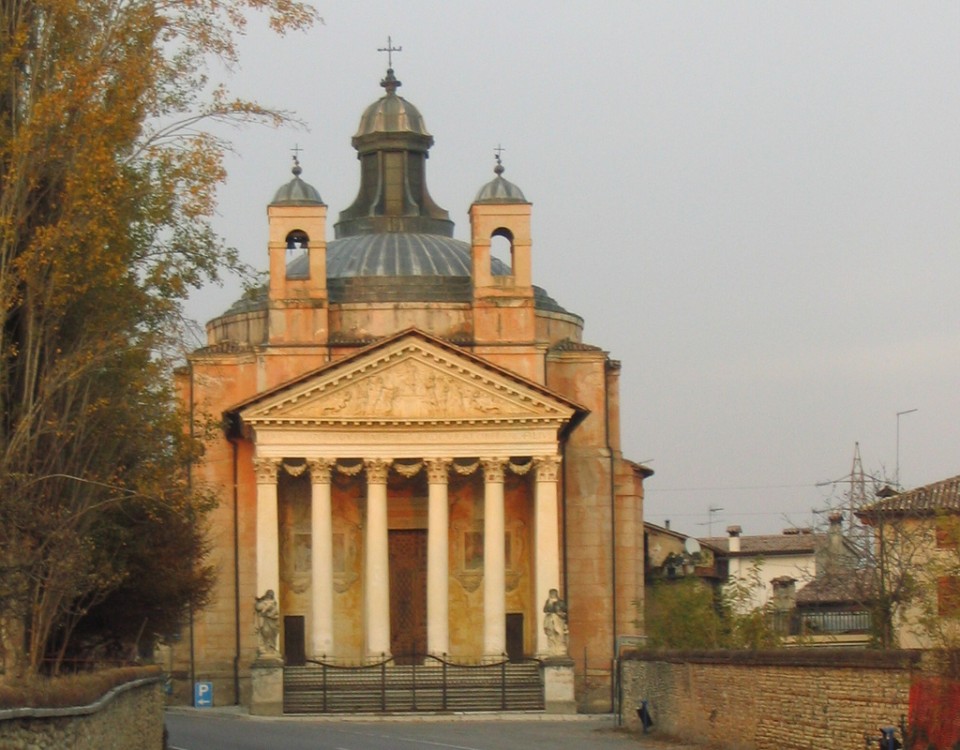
435,685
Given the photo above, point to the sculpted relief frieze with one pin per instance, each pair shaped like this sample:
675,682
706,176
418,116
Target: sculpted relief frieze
412,385
411,390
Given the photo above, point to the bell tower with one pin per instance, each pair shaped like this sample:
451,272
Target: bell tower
298,310
504,319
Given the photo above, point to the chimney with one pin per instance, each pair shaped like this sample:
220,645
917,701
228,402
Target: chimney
784,593
666,524
734,532
835,535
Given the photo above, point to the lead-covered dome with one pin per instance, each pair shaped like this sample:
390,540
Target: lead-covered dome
297,192
391,113
499,190
402,254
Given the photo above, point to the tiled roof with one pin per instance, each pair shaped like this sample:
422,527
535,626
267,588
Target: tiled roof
224,347
843,587
929,499
654,528
568,345
769,544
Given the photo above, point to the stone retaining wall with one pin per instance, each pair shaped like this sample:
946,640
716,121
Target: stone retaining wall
129,717
773,700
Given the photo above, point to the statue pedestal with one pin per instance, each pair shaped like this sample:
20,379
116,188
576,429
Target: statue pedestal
266,677
558,689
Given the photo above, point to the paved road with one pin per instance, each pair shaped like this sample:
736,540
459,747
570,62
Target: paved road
198,731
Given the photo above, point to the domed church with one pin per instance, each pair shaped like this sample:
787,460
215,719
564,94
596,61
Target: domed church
419,469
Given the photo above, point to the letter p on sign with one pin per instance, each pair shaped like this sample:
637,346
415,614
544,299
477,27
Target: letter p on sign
203,694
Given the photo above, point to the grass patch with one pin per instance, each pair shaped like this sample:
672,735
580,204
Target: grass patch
70,690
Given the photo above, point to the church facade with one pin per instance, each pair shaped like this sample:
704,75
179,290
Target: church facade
419,453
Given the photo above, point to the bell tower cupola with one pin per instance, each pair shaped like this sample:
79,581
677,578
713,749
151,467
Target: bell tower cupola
297,293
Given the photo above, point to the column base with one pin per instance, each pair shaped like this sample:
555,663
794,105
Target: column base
266,679
558,685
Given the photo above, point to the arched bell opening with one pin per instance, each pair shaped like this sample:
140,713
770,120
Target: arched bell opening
501,249
298,254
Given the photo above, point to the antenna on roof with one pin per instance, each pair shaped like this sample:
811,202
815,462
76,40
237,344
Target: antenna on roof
711,510
896,477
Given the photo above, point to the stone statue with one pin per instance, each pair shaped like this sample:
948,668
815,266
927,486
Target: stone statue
267,611
555,624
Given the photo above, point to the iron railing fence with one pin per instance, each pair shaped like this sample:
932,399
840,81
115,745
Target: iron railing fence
411,683
815,622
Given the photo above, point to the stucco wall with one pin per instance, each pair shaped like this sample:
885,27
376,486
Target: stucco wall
775,700
129,717
765,569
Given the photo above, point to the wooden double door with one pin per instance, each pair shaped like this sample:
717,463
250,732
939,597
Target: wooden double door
408,600
408,594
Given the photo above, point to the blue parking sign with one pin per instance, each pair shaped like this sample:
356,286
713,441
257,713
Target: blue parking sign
202,694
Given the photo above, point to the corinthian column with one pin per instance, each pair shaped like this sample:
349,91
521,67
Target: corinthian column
376,591
321,557
438,582
494,564
547,535
268,547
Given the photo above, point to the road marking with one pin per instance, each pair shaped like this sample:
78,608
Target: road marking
392,738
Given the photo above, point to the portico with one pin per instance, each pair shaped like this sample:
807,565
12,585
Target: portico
448,418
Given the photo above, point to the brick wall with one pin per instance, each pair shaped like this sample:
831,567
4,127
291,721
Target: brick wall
772,700
129,717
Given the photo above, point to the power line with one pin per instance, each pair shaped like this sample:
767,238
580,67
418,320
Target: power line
699,514
719,488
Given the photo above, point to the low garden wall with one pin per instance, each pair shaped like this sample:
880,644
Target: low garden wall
771,700
128,717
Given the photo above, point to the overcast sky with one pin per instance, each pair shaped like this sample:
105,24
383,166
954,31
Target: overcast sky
754,205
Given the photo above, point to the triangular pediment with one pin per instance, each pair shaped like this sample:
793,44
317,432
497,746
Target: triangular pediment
411,380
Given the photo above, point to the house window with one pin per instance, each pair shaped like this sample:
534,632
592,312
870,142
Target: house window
948,532
948,596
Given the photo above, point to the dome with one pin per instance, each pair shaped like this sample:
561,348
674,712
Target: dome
391,113
401,249
297,192
499,190
397,254
402,254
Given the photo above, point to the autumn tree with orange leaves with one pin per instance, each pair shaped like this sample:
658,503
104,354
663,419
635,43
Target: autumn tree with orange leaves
107,187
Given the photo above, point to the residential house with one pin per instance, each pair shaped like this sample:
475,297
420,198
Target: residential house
917,535
755,562
670,555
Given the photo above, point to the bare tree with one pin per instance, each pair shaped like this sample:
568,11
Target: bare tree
107,187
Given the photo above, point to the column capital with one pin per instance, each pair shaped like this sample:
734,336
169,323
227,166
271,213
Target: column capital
547,468
320,469
493,468
377,470
266,469
437,470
